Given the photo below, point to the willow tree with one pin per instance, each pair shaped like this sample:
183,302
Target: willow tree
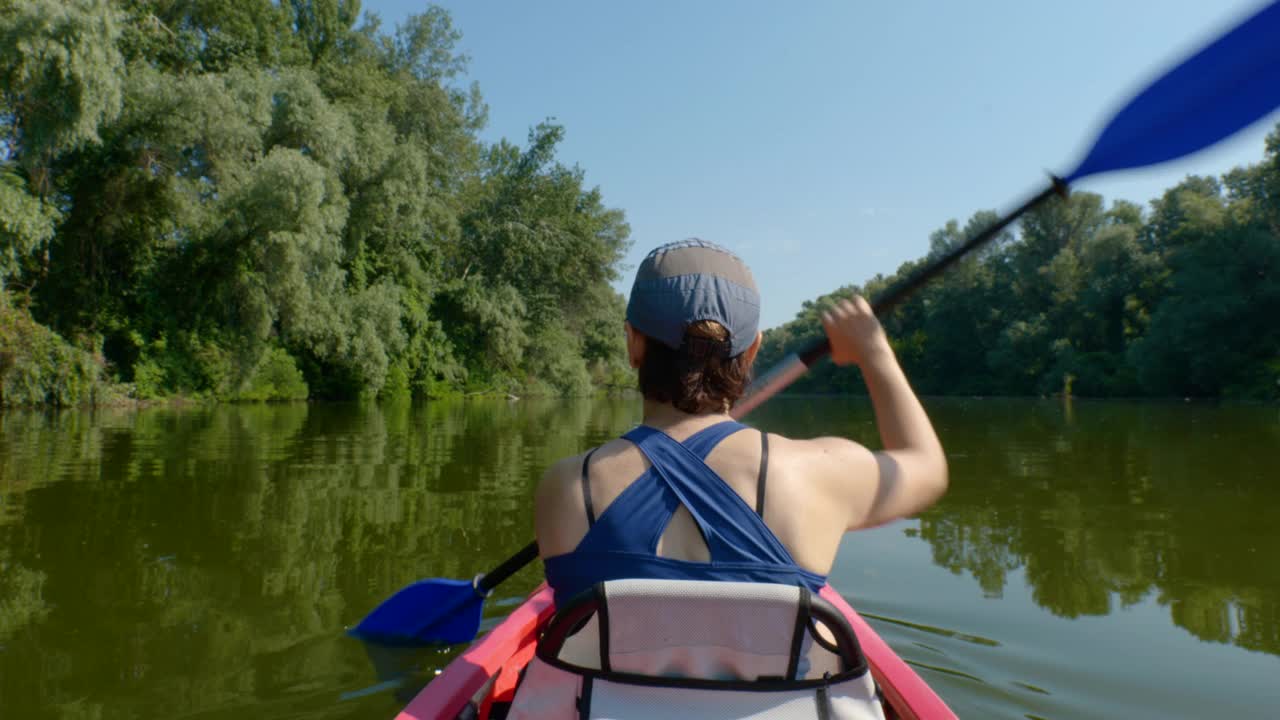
213,197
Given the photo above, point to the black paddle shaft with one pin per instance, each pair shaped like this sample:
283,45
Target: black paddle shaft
509,567
903,289
796,365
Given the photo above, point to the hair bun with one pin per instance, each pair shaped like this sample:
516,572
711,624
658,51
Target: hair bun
700,348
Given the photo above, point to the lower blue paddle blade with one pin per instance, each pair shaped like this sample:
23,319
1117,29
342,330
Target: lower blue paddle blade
428,611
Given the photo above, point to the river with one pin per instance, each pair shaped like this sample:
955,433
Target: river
1091,559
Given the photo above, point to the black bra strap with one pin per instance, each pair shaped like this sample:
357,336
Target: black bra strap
586,489
764,473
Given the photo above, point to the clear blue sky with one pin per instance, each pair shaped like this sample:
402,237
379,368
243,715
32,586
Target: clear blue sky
824,141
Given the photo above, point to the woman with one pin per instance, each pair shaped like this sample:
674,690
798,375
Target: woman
691,494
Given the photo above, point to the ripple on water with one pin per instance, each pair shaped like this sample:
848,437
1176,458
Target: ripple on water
954,634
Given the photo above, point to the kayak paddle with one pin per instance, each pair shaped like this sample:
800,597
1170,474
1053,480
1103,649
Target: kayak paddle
1230,84
439,609
1227,86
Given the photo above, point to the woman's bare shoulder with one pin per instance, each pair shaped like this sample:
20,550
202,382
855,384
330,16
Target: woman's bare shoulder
833,471
554,527
823,454
560,519
565,474
869,488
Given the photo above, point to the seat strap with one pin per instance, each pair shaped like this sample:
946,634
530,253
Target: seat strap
584,700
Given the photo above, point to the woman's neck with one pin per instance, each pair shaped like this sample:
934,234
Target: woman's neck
667,417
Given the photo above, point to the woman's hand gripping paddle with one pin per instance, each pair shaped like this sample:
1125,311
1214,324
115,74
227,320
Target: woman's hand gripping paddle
1230,84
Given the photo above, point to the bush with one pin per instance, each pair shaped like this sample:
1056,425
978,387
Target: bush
397,384
276,377
148,379
555,364
1261,382
185,364
37,367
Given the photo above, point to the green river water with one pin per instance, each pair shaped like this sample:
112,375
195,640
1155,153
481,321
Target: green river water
1091,560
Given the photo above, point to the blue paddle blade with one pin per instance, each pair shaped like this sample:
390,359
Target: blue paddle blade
1225,87
429,611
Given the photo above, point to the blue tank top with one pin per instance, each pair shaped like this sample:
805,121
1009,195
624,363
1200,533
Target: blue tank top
623,541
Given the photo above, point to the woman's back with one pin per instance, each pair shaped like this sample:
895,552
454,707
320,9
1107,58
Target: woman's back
801,516
692,333
660,509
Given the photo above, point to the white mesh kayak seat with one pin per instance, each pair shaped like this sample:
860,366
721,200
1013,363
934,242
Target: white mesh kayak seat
631,649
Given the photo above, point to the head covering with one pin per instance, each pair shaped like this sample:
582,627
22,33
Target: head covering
690,280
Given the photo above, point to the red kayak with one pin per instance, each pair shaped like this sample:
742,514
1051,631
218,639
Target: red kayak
489,670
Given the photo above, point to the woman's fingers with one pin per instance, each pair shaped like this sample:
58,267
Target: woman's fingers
853,330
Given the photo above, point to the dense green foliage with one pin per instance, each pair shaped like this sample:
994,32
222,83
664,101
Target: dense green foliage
262,199
1094,301
39,368
258,199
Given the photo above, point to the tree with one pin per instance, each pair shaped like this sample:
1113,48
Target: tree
1094,301
193,188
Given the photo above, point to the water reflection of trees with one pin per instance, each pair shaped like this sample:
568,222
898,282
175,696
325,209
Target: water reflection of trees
205,559
1105,503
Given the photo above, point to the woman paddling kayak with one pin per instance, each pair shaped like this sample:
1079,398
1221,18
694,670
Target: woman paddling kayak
688,558
686,561
691,494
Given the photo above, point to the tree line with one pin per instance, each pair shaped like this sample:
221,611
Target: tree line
280,199
1180,299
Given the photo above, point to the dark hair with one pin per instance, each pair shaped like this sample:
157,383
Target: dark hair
700,377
